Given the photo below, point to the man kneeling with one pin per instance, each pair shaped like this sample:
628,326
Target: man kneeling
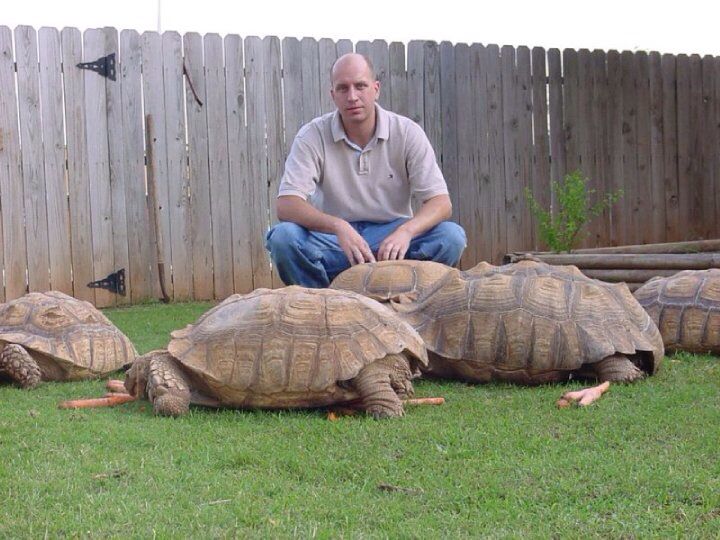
345,196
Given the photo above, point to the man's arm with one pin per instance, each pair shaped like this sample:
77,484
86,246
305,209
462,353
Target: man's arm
432,212
298,210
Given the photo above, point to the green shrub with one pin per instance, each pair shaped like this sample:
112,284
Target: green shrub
561,230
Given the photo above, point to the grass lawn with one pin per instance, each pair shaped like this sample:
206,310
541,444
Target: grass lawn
494,461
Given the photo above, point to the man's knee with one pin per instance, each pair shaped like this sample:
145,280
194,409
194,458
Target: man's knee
454,240
444,243
284,239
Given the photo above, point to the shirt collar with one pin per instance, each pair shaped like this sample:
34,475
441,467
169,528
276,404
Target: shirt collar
382,125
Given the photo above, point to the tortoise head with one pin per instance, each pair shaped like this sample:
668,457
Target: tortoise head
136,378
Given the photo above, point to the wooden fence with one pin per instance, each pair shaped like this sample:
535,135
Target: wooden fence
75,153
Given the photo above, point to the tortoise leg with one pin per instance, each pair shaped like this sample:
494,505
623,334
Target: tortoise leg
616,368
168,387
19,366
379,384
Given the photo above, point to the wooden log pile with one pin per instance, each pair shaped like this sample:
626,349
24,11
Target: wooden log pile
634,264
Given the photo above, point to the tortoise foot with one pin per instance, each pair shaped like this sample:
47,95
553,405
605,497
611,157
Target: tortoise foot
19,366
583,397
380,413
171,405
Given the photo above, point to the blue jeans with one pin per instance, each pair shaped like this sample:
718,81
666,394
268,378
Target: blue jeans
313,259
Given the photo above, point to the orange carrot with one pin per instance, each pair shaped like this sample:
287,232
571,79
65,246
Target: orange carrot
115,385
108,401
562,403
337,412
425,401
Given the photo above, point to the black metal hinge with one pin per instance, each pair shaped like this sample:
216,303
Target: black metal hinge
115,283
105,66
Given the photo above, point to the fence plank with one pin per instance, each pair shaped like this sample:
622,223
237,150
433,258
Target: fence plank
670,166
98,164
684,165
398,79
293,89
275,140
156,149
201,229
327,56
179,238
36,226
510,116
344,46
482,195
525,146
311,79
431,96
257,157
570,109
15,249
240,182
617,215
363,47
118,176
78,179
557,122
449,121
716,123
644,202
601,142
143,273
53,128
708,148
694,157
657,157
216,114
540,178
586,138
585,132
497,154
415,87
380,55
629,136
465,188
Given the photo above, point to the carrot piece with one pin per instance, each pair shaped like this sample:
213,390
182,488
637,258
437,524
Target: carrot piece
562,403
425,401
583,397
108,401
115,385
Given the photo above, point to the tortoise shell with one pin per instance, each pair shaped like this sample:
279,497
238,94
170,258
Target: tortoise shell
527,322
686,309
276,347
69,338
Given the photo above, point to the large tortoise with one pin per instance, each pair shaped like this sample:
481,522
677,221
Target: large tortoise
527,323
283,348
686,308
51,336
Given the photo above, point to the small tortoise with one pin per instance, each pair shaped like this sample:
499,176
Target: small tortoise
527,323
51,336
686,308
283,348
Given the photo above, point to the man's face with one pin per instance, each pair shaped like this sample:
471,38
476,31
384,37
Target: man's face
354,90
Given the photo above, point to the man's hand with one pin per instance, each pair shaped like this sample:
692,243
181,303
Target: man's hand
395,245
354,246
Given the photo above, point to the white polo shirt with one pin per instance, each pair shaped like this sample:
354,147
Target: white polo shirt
374,183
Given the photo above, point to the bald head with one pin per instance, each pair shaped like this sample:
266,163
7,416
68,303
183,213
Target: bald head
353,62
